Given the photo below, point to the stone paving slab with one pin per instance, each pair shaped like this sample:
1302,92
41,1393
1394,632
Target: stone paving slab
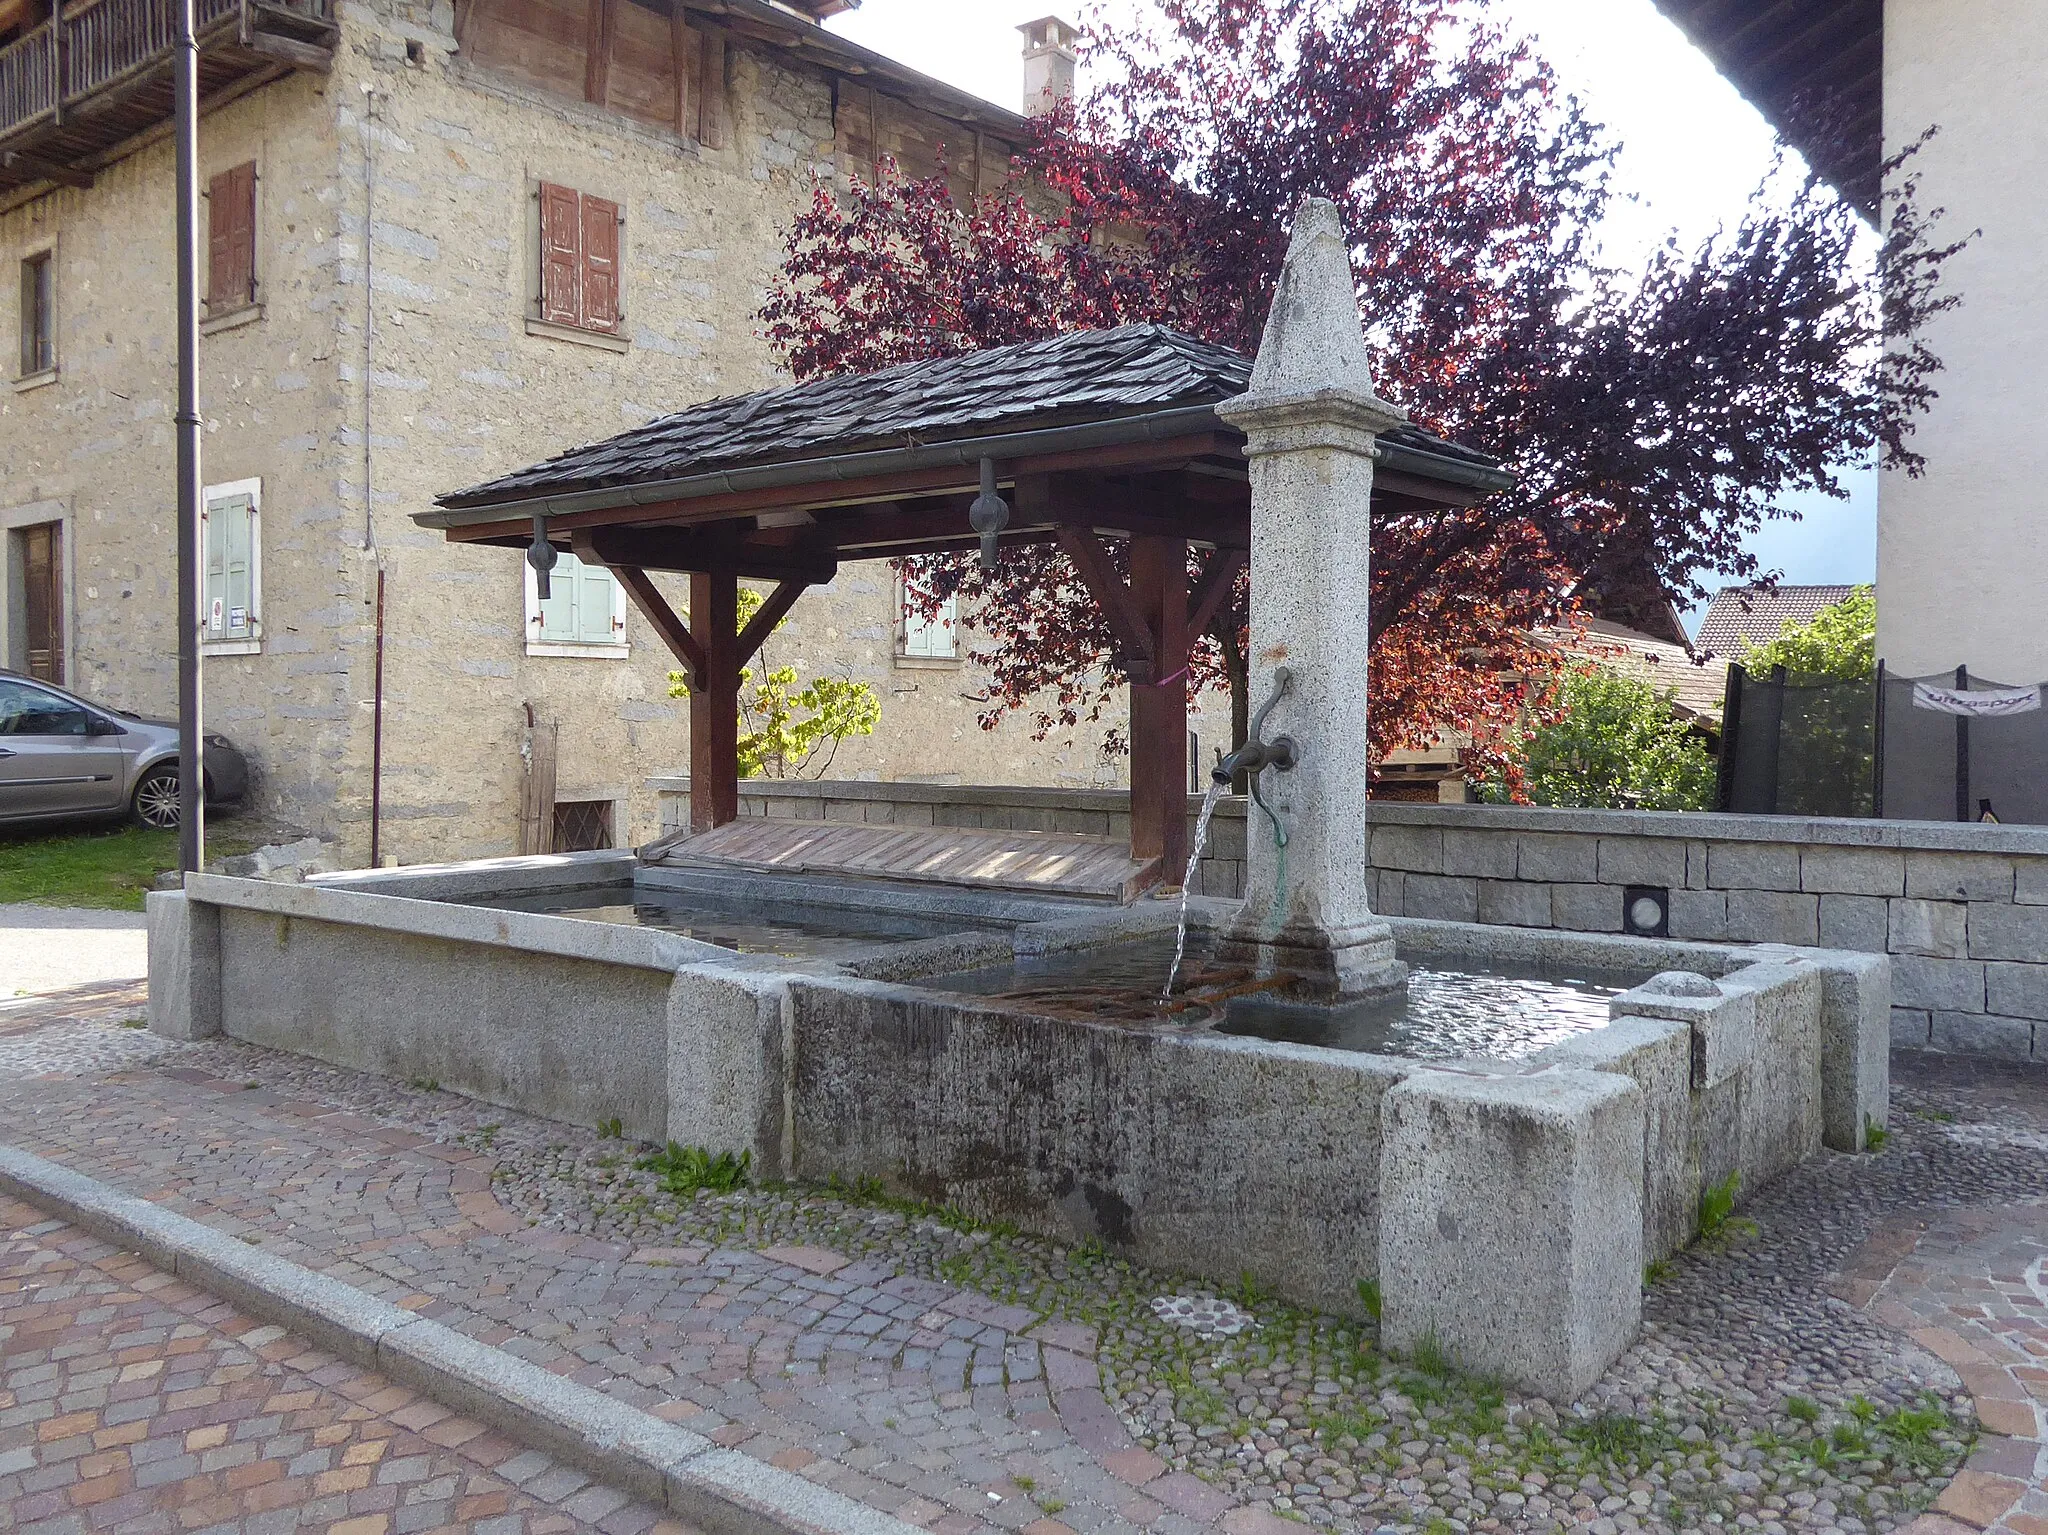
133,1404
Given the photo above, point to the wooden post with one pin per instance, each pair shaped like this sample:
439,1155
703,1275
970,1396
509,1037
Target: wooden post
715,705
600,23
714,111
1159,707
537,750
686,56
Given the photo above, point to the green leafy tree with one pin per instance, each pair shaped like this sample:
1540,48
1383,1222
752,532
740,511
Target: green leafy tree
786,729
1605,741
1840,642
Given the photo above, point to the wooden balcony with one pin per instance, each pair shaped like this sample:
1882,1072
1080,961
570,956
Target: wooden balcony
78,89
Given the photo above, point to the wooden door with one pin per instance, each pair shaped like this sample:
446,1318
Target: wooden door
43,599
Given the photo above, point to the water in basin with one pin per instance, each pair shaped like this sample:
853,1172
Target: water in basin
1501,1011
791,930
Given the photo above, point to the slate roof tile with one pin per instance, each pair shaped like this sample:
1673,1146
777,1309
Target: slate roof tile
1081,376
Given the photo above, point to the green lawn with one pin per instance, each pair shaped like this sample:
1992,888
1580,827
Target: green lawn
111,869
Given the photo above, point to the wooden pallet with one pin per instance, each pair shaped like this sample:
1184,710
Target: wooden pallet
1045,863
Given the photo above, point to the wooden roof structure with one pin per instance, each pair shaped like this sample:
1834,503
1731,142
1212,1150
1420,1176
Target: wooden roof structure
1095,438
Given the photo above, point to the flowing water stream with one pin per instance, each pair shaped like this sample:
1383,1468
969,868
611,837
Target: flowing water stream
1187,884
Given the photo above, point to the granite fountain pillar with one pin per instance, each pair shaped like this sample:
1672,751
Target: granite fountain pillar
1311,420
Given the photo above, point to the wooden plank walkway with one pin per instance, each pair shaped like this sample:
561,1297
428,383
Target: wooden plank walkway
1046,863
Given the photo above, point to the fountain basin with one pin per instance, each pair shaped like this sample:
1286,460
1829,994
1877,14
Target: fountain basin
1505,1197
1449,1011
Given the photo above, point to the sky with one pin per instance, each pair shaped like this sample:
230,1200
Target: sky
1692,151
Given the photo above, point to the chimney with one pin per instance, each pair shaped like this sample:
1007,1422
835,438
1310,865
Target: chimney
1049,60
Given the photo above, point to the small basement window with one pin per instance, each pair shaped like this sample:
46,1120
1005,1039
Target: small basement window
583,825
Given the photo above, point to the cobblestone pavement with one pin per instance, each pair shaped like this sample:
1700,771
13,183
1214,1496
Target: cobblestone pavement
867,1366
114,1033
132,1404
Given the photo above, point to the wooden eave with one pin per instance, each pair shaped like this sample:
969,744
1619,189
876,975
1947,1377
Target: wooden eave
771,25
1194,487
1814,68
94,83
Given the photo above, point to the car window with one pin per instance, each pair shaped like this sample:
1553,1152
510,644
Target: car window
29,711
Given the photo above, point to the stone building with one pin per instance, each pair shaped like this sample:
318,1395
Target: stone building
440,241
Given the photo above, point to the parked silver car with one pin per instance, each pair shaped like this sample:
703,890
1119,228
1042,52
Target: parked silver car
62,758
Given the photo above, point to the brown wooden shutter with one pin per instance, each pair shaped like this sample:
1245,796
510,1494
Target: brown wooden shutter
561,256
600,263
231,239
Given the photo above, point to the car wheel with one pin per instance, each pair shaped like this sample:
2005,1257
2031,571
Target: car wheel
155,805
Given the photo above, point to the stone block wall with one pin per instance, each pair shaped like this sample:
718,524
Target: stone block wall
1962,909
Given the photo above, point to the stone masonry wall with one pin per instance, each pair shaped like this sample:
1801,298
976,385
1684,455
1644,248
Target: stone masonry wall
1962,909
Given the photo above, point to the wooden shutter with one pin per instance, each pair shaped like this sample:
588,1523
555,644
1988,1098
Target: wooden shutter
231,239
239,583
558,608
595,604
213,597
228,593
600,263
561,256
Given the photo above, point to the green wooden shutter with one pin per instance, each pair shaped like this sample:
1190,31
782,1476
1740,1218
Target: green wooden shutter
240,614
580,604
228,596
930,637
213,596
558,608
594,589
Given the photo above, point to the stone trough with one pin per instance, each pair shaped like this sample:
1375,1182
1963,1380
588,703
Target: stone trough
1506,1208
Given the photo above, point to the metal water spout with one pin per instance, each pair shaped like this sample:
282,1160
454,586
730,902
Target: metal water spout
1257,754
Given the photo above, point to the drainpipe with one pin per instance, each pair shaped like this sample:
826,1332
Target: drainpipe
369,478
191,722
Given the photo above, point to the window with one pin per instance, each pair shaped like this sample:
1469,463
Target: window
579,260
231,573
38,315
28,711
930,639
231,240
584,615
583,825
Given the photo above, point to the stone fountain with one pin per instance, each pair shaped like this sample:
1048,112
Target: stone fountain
1311,421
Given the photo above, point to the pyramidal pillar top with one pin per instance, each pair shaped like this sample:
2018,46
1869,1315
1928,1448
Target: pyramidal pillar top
1311,420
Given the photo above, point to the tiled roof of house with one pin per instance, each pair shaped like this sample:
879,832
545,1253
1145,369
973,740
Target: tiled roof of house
1082,376
1754,615
1698,686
